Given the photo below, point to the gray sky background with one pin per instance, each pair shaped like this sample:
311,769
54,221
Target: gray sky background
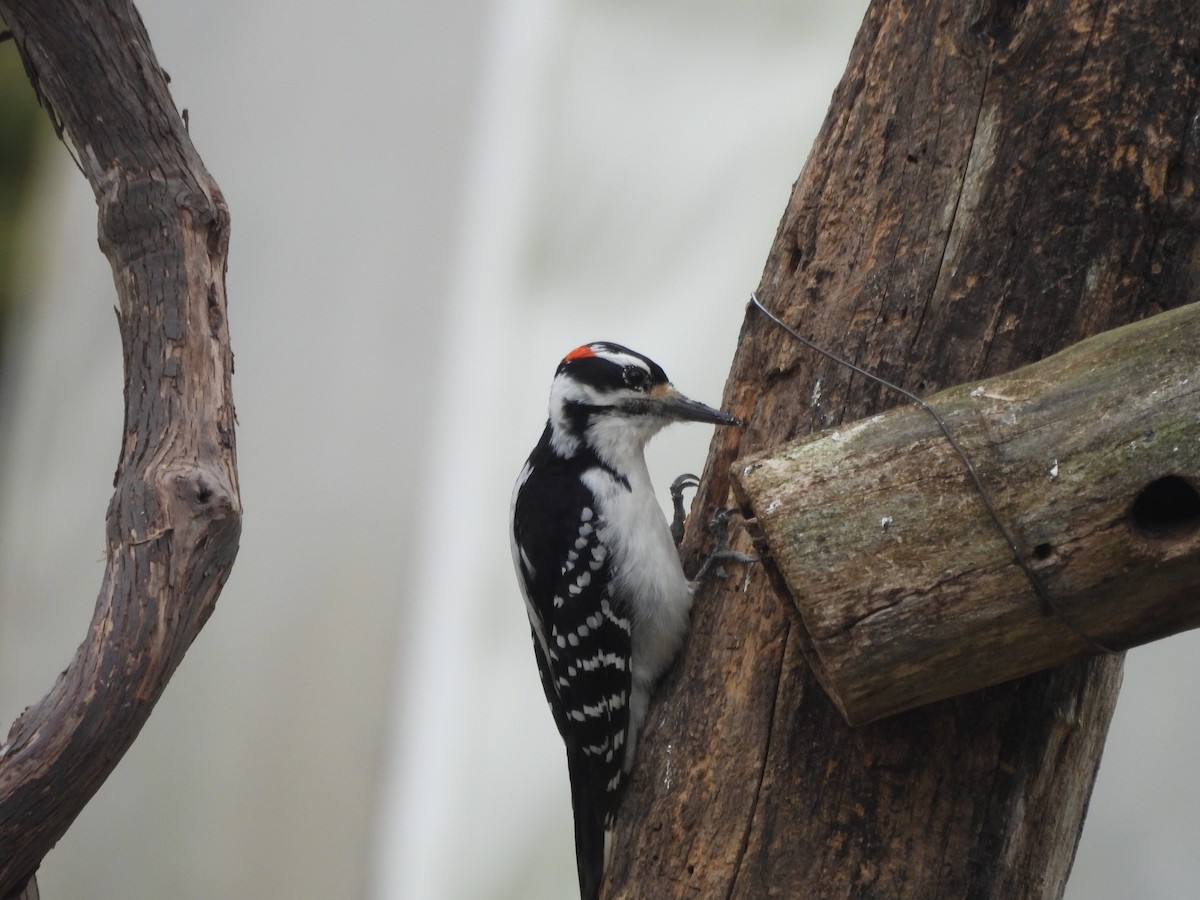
431,204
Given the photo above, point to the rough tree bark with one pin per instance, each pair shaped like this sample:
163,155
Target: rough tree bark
175,518
994,181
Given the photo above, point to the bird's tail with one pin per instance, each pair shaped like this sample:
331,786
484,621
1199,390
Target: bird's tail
589,827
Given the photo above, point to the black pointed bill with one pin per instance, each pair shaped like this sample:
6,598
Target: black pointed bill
674,405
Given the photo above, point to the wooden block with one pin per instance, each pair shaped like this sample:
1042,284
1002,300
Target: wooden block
907,589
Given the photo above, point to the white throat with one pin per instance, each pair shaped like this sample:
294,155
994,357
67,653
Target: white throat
620,441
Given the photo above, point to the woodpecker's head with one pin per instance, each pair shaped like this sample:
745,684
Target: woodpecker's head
615,400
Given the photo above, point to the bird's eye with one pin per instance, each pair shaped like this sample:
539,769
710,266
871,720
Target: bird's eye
636,378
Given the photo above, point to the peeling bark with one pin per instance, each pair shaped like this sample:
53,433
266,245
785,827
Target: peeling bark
175,517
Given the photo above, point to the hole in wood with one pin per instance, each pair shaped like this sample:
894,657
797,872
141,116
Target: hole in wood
1168,507
1043,552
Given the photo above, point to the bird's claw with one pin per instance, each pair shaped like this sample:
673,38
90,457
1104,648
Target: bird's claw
721,552
678,486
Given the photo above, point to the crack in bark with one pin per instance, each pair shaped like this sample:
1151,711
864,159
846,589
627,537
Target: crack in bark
952,236
1022,205
762,771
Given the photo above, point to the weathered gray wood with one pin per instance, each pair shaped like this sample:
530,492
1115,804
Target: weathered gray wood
907,589
175,517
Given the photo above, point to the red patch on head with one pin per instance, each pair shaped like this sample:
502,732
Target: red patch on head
580,353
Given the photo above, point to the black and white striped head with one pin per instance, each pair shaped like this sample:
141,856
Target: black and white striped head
616,399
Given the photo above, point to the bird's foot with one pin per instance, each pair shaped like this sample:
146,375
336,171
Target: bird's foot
721,552
677,488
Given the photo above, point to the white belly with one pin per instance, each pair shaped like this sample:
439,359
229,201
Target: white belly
646,571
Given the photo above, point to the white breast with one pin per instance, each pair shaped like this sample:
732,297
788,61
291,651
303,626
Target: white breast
647,571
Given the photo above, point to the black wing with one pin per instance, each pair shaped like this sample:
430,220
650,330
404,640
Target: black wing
582,642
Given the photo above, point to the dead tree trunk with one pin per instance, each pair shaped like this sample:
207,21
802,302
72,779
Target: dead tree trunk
994,182
174,521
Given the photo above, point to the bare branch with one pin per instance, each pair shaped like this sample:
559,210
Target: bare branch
175,518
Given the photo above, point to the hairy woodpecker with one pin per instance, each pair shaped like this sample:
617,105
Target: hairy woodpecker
607,599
